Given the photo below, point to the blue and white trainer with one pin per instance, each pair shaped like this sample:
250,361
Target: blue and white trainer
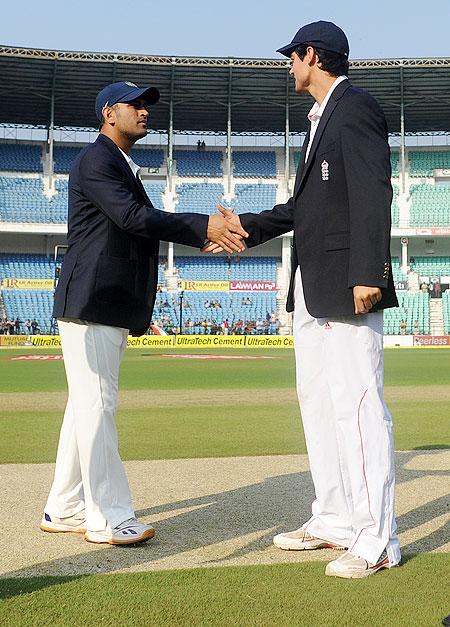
74,524
130,531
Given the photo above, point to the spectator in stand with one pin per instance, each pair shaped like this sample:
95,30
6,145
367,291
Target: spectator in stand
437,291
35,327
402,327
18,326
28,327
416,327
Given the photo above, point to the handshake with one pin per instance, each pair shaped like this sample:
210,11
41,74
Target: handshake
225,232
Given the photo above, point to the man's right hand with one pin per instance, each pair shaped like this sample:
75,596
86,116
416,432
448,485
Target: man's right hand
226,234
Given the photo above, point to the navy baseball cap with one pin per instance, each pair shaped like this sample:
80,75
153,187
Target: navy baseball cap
325,35
123,92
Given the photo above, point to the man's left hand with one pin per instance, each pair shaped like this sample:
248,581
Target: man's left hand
365,298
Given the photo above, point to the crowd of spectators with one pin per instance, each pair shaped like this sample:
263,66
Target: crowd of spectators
18,327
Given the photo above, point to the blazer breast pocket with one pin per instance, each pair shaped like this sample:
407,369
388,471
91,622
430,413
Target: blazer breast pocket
115,280
337,241
323,150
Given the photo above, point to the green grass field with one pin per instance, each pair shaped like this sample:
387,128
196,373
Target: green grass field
211,408
219,408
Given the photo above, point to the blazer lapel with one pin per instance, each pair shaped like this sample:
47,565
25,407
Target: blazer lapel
135,181
331,105
301,163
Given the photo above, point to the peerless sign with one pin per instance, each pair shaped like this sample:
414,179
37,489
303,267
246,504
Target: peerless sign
432,340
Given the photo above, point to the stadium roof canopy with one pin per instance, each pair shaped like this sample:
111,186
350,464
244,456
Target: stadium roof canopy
200,90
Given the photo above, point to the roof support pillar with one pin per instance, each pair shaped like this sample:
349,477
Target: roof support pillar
170,134
228,174
287,165
51,130
402,133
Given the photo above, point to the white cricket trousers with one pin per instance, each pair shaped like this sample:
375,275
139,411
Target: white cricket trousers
348,429
89,473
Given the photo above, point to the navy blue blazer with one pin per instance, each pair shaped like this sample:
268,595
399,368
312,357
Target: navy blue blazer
110,269
340,210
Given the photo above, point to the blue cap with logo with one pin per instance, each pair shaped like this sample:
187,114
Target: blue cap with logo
325,35
123,92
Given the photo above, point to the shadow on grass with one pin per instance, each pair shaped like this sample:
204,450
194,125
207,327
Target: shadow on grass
240,522
432,447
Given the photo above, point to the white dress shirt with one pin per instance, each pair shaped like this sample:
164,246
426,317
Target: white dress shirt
316,113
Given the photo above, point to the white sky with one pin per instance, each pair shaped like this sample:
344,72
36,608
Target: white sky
225,28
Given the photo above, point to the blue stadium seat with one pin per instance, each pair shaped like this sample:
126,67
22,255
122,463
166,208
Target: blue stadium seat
254,198
20,157
199,197
199,162
254,163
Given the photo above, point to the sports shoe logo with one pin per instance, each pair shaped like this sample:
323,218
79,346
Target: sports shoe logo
327,325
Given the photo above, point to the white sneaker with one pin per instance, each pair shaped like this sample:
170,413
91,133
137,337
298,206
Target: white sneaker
129,531
351,566
75,523
301,540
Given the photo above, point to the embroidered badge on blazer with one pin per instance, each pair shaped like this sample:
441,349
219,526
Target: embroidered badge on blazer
325,172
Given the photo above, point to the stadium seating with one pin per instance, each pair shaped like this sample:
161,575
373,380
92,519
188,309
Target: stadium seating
224,268
422,163
155,192
395,210
29,304
254,198
196,308
431,266
412,306
254,164
198,162
395,156
20,158
430,205
24,266
397,272
446,310
199,197
148,157
22,200
63,157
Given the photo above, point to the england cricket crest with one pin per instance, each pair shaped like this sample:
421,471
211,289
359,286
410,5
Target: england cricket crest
325,172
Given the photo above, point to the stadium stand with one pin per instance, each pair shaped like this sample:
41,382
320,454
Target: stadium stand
23,200
430,205
431,266
397,272
254,198
155,192
29,304
395,210
395,156
412,306
254,164
199,197
20,158
63,157
199,162
446,310
227,268
148,157
422,163
24,266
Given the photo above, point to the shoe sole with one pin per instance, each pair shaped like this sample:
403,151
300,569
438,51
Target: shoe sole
323,545
146,536
60,530
362,574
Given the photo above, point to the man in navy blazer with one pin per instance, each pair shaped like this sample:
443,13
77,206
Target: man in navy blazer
106,291
341,281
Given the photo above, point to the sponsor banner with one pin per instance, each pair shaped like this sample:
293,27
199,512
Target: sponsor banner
28,284
14,340
253,286
45,340
437,230
401,285
151,341
206,341
269,341
205,286
432,340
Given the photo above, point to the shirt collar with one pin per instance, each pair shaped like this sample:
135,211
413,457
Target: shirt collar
316,110
134,167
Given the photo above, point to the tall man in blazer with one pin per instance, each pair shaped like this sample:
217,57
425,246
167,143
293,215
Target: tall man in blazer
106,290
341,281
